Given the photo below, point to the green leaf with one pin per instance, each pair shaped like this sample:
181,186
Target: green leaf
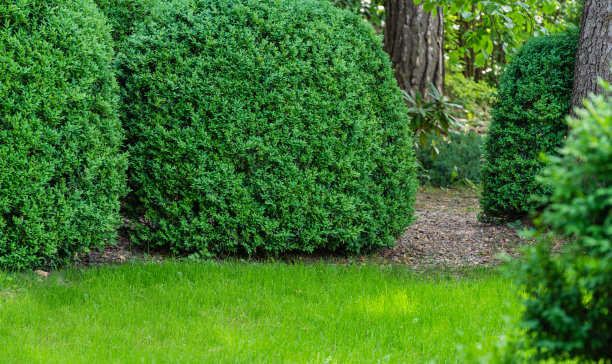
480,59
423,138
467,15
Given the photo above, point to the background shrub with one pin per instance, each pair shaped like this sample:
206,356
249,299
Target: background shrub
124,15
478,98
273,125
569,301
461,154
529,119
61,172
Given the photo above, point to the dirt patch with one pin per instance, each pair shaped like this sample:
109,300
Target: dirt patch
122,252
448,234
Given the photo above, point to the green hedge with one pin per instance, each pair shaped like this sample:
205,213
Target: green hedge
264,124
460,155
528,120
61,172
568,298
124,15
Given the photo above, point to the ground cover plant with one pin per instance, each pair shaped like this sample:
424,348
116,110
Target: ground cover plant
274,125
459,159
528,120
61,171
243,313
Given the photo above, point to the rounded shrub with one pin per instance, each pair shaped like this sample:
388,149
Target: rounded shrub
274,125
61,169
528,120
124,15
569,301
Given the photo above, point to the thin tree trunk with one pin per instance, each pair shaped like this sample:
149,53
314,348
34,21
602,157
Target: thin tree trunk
594,50
415,41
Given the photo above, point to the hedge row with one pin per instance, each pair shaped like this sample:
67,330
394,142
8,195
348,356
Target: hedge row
251,125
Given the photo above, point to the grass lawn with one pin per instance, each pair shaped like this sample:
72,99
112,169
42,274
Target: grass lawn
249,313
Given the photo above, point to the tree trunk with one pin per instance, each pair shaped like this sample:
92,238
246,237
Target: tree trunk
415,41
594,50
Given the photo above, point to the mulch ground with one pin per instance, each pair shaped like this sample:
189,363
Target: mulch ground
446,235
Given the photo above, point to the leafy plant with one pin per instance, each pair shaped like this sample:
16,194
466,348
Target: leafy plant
124,15
432,116
481,36
459,160
568,299
528,120
478,98
270,125
61,169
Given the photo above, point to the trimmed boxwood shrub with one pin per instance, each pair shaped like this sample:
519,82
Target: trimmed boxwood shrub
124,15
460,154
274,125
61,171
568,298
528,120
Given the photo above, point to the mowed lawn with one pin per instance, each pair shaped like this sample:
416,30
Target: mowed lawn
249,313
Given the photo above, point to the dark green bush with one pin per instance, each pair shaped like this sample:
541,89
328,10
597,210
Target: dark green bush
569,299
459,159
529,119
124,15
274,125
61,172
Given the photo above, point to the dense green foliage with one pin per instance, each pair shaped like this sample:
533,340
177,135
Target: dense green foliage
124,15
481,35
273,125
569,305
61,173
458,159
528,120
477,98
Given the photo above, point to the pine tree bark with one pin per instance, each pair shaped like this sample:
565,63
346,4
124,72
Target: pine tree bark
414,39
594,50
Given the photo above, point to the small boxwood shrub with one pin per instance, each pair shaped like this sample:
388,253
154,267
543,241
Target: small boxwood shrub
529,119
569,300
61,171
459,159
264,124
124,15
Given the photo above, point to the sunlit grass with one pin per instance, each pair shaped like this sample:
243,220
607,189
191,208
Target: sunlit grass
249,313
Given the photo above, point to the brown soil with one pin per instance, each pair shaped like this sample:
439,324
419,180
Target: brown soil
447,234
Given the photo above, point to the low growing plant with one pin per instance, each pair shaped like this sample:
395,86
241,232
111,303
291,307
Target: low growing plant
459,159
